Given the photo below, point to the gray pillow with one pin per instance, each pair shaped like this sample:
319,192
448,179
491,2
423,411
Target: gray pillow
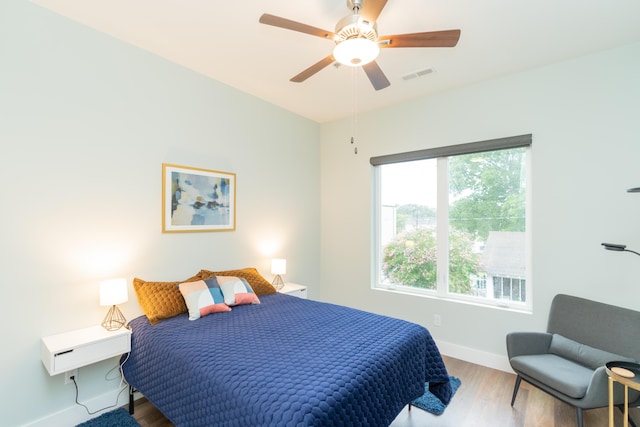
583,354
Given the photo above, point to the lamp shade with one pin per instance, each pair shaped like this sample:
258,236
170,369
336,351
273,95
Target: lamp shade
618,247
278,266
614,247
356,52
113,292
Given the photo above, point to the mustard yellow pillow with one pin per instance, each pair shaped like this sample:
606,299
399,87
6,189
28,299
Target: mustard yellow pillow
160,300
259,284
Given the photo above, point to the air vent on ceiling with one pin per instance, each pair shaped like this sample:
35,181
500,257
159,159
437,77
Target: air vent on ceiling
418,73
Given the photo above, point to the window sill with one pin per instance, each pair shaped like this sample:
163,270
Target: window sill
459,300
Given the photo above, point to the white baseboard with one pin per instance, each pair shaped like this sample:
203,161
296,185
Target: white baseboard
490,360
76,414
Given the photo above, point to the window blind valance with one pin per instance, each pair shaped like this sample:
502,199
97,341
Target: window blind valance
455,150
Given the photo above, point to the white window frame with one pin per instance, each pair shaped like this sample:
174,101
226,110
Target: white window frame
442,242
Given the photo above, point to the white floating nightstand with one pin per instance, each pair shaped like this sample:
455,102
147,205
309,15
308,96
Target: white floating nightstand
294,289
67,351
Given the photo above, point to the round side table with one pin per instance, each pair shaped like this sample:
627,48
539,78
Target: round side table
627,374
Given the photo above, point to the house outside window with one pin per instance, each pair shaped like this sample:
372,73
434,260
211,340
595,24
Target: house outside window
451,222
504,262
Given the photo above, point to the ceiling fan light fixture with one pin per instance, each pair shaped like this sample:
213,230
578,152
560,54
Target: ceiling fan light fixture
356,52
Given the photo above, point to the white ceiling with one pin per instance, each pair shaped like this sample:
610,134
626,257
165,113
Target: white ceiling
225,41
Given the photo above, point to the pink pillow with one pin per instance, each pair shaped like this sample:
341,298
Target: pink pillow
236,291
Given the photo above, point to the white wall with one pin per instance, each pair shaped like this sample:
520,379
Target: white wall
85,124
87,121
583,115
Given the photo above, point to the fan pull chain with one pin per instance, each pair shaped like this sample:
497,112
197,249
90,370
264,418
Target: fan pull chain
354,125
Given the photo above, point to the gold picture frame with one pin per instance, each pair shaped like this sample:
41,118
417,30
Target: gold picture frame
195,199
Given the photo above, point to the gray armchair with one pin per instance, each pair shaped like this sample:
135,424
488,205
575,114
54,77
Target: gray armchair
568,360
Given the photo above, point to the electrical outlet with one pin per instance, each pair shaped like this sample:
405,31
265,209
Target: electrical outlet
437,320
69,374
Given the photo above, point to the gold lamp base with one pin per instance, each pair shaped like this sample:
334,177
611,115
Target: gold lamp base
114,319
278,283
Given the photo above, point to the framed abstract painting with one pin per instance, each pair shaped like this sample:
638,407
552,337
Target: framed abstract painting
195,199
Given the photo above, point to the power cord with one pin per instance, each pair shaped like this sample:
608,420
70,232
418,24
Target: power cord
123,384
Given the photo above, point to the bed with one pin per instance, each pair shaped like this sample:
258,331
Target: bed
284,362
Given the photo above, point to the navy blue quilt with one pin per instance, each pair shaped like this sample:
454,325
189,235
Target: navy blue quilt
284,362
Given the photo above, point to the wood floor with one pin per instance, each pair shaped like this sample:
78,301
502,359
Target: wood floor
483,400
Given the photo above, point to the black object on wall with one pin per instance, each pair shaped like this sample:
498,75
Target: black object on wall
618,248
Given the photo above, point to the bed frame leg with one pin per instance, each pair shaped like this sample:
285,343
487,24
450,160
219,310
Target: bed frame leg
131,407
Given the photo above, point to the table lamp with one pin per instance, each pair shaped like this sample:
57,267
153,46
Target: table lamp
113,292
278,267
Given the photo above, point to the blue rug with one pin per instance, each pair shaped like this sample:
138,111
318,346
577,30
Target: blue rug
118,418
432,404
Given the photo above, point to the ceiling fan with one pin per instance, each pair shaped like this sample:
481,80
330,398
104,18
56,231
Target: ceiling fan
357,41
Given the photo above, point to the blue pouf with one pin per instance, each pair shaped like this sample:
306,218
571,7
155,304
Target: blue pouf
430,403
118,418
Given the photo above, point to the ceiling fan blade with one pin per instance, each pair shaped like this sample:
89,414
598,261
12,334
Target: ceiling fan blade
376,76
324,62
447,38
288,24
371,10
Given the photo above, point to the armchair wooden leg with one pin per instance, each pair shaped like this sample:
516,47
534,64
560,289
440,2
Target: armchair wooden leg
515,389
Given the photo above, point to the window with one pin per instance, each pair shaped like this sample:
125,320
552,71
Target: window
452,222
